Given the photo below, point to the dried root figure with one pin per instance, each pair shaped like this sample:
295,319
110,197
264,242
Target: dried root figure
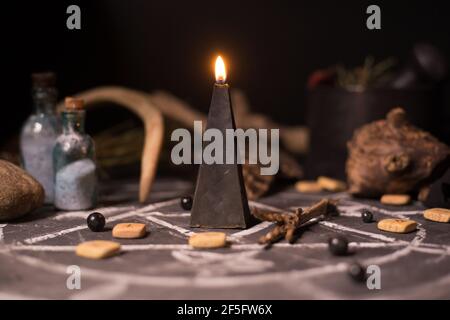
393,156
289,222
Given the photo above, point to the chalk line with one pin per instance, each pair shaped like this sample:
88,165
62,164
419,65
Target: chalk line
263,206
354,210
443,251
358,206
106,211
158,205
168,225
350,214
216,255
16,296
175,215
113,218
389,257
2,235
436,289
376,236
219,263
109,290
188,281
254,229
250,246
53,234
151,246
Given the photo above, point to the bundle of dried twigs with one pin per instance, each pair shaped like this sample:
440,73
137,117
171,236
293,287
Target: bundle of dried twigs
287,223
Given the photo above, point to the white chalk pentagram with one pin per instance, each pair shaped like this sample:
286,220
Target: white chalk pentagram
350,209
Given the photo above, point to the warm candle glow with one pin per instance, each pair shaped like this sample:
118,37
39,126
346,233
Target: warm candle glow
221,73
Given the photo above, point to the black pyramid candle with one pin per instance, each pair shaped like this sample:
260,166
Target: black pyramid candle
220,199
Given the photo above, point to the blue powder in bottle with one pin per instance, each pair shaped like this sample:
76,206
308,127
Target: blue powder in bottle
39,133
74,162
75,185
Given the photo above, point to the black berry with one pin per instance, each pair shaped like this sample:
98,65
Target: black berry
338,245
186,203
367,216
96,221
334,212
357,272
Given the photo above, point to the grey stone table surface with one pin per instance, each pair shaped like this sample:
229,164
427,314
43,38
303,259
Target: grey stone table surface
35,253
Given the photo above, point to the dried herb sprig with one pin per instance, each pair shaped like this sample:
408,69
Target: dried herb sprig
368,75
119,145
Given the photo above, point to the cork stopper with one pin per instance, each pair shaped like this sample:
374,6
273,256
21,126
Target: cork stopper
73,104
43,79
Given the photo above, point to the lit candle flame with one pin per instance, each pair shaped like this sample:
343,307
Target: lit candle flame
221,73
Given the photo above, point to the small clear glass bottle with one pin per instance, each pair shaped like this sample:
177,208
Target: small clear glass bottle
40,131
74,161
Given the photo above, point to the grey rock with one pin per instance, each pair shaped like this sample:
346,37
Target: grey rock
20,193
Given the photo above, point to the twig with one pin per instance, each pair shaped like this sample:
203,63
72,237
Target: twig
289,222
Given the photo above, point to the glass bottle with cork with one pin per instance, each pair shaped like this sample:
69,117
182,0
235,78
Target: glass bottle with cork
74,161
40,131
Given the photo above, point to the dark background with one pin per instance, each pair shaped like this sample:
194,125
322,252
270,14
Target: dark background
271,46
